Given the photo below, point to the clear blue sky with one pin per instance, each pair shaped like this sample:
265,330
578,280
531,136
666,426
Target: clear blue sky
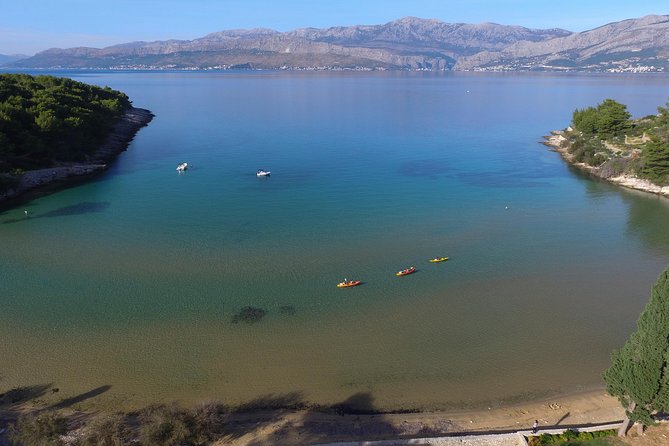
29,26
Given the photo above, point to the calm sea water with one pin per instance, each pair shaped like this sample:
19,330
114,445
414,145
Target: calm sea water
133,280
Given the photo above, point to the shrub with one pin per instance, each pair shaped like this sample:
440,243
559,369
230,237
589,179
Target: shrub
163,426
614,167
205,423
106,430
43,429
572,438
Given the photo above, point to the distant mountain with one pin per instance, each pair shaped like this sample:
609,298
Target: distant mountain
408,43
9,58
631,45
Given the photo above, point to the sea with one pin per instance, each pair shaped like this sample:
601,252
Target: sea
146,285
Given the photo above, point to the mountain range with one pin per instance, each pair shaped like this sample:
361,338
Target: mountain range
640,44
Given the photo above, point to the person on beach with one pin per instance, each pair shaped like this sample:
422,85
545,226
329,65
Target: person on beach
535,426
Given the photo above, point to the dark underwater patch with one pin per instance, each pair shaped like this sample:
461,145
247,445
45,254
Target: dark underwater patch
249,315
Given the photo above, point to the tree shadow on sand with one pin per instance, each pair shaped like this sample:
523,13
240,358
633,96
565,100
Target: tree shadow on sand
352,419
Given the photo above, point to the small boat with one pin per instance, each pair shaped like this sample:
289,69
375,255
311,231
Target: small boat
406,272
348,283
181,167
262,173
438,259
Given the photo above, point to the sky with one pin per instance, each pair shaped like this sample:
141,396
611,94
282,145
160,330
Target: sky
30,26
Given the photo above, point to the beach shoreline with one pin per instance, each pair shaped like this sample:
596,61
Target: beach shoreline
39,182
585,408
322,425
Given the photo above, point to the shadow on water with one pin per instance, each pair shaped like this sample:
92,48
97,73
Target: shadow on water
79,398
647,219
85,207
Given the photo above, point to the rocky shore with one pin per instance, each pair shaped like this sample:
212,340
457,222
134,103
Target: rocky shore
559,143
34,183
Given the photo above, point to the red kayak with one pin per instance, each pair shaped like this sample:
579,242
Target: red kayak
406,272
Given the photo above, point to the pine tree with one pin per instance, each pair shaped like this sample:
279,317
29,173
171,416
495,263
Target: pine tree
656,160
639,372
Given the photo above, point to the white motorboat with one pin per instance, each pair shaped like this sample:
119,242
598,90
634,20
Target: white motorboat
181,167
262,173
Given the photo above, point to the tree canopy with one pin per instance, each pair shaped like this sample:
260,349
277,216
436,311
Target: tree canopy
47,119
608,119
639,372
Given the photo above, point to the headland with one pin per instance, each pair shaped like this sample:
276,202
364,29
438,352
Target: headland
559,141
34,183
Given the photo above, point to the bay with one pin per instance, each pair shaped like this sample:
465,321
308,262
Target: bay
133,280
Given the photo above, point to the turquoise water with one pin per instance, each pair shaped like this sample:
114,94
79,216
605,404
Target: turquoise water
133,280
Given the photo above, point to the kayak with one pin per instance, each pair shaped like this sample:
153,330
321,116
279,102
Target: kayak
405,272
348,284
438,259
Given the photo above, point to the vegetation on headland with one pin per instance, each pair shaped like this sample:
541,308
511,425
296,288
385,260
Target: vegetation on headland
47,121
607,140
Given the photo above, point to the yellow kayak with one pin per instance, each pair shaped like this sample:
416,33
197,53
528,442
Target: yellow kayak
438,259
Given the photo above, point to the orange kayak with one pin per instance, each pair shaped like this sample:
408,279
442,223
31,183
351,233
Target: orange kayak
405,272
348,284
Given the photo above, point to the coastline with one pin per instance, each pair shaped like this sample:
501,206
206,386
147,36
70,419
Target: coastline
592,407
556,139
36,183
316,425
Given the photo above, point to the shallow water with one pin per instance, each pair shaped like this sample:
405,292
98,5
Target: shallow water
132,281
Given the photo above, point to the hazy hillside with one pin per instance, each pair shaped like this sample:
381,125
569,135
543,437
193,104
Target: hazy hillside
9,58
629,44
408,43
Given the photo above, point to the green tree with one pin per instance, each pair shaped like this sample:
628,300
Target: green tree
656,160
663,116
639,372
585,121
612,118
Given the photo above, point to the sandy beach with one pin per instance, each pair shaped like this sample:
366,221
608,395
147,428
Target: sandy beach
306,427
